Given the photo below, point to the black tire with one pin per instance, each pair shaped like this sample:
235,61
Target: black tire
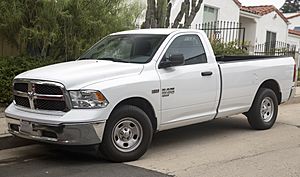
262,115
113,145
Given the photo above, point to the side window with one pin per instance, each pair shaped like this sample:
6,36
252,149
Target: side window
190,47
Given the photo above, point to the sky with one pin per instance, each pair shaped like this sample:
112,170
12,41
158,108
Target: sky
276,3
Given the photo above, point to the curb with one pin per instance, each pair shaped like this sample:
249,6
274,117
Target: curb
294,100
8,141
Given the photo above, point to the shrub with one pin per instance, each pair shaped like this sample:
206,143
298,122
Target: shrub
63,28
12,66
230,48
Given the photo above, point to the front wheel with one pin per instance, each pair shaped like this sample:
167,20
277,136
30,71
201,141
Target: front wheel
263,112
127,135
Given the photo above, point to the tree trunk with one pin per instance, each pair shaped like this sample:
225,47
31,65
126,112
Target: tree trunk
158,13
186,13
179,15
193,13
189,12
167,23
161,13
150,14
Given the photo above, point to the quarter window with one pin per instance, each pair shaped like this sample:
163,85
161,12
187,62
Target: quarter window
190,47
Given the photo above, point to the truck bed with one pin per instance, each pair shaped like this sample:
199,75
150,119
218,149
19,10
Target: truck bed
244,58
241,76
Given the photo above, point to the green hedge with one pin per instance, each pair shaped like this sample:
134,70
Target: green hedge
230,48
12,66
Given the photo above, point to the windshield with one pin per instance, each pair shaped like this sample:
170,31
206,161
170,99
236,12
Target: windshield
133,48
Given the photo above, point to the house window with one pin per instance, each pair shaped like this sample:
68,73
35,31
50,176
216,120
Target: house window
270,42
210,14
297,28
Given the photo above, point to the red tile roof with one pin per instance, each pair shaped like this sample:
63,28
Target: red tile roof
238,3
293,16
263,10
259,10
294,32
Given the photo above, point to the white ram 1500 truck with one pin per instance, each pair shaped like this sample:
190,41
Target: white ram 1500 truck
134,83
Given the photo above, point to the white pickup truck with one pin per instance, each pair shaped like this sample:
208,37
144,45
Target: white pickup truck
132,84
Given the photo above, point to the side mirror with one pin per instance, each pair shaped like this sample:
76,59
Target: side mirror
173,60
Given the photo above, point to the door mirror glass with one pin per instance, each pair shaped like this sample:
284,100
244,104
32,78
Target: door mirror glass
177,59
173,60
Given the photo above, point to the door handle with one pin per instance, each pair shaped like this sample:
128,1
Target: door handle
206,73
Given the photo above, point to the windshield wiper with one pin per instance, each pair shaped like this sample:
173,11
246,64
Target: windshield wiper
112,59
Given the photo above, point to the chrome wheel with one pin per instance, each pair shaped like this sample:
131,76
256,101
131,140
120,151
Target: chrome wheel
127,134
267,109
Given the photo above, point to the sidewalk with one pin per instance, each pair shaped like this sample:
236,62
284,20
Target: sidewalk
3,126
297,92
296,98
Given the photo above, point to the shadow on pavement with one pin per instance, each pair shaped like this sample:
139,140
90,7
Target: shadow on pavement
75,161
202,131
71,162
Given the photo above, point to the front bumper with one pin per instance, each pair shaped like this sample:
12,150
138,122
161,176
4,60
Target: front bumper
63,134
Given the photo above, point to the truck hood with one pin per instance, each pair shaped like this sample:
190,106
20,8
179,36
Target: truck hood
81,73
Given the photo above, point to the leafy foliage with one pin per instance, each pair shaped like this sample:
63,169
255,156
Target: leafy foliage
52,30
291,6
11,67
63,28
230,48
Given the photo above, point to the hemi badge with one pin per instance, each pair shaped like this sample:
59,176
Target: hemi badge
155,91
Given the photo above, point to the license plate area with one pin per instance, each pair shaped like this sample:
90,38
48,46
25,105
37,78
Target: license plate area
27,127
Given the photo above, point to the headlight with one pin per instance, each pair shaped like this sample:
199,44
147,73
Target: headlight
88,99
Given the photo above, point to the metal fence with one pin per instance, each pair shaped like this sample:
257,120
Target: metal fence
275,48
224,31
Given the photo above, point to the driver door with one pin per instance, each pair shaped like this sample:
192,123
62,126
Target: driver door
190,91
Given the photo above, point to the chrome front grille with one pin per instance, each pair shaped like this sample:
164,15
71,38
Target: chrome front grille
40,95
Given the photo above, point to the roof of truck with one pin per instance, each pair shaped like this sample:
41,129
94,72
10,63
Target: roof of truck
164,31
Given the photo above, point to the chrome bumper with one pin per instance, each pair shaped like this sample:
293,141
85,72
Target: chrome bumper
63,134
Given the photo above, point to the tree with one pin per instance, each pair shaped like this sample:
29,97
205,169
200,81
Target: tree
63,28
158,13
291,6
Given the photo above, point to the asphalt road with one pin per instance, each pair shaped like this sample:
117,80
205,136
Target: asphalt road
223,147
45,161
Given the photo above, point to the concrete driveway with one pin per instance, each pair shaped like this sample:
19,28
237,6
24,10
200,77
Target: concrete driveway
228,147
223,147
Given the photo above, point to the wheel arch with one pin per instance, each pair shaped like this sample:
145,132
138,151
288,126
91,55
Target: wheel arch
144,105
274,86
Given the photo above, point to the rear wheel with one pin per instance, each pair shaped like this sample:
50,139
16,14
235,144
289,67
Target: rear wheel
263,112
127,135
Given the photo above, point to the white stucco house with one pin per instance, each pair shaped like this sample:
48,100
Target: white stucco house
211,11
294,38
294,29
294,19
264,25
